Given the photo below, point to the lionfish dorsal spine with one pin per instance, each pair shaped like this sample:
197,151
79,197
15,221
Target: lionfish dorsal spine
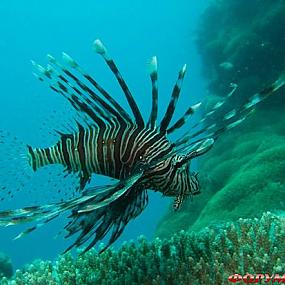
232,118
101,49
181,121
154,109
172,103
82,96
72,63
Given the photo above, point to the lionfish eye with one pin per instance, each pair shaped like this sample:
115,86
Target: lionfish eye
140,166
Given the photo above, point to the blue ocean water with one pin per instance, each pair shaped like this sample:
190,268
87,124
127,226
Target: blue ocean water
133,31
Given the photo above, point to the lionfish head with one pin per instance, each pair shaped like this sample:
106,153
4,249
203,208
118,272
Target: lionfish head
183,183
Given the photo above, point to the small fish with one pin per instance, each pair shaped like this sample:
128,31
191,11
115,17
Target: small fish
226,65
107,140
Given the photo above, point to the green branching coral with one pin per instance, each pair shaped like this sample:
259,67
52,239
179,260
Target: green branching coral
209,257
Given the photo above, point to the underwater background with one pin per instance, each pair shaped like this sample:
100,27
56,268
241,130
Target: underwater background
236,225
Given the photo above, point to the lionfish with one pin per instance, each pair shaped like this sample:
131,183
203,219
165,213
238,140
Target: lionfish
107,140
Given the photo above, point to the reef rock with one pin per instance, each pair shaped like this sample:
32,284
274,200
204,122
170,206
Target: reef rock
6,269
247,34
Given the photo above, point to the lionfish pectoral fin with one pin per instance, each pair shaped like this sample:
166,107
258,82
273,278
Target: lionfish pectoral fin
233,117
201,147
109,195
110,209
91,204
84,179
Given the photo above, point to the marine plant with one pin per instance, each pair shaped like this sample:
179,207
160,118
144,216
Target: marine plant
254,245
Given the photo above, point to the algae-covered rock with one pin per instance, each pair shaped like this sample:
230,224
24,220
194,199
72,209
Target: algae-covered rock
6,268
251,172
244,174
248,37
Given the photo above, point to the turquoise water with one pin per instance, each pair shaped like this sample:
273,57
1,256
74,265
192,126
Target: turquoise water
133,31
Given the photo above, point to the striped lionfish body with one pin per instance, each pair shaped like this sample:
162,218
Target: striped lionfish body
108,141
112,151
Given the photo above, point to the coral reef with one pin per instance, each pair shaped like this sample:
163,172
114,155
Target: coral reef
207,257
6,268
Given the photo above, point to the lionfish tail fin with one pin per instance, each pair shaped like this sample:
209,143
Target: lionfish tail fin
15,165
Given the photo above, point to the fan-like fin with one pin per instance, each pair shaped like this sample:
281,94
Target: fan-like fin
92,203
233,117
217,106
153,76
73,64
98,223
191,110
62,86
86,91
35,227
172,104
101,49
180,122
